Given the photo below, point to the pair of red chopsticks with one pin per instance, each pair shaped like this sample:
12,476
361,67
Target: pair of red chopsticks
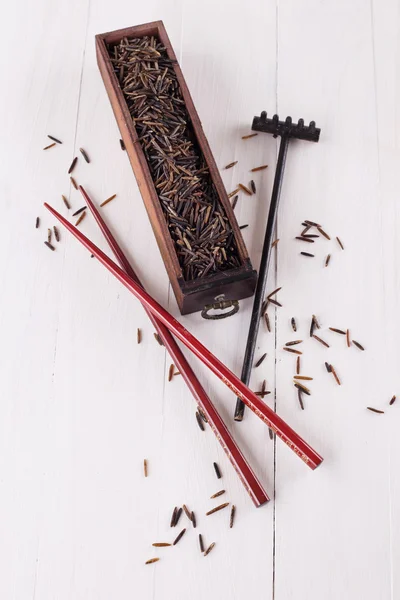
166,324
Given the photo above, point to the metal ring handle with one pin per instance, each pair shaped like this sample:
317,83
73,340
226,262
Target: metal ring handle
221,306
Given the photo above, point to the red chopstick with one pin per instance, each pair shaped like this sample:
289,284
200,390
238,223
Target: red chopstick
242,468
266,414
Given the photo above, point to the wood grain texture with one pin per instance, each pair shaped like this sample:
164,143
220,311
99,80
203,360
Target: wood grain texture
82,404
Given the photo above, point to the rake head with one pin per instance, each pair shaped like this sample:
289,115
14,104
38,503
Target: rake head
286,128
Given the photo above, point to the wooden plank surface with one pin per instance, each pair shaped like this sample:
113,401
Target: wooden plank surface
82,404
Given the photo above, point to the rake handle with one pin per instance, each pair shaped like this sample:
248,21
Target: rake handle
262,274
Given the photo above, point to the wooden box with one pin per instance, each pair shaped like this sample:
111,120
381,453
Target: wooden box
233,284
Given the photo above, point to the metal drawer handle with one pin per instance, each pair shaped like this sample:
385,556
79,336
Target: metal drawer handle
222,305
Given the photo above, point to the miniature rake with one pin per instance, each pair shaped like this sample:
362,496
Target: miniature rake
287,131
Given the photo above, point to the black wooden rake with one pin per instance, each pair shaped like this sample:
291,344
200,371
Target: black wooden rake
286,130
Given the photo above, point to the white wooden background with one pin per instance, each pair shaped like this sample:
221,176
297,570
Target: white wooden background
82,404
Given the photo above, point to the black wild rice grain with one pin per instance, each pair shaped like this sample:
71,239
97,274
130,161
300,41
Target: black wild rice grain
263,392
65,201
49,146
307,254
304,239
337,330
260,360
178,516
193,519
77,212
108,200
232,516
121,143
303,388
181,534
294,343
80,219
56,233
314,324
348,337
328,367
161,544
298,365
340,243
300,398
54,139
232,164
312,223
84,154
322,232
243,226
74,183
73,164
327,260
274,292
233,193
320,340
317,325
392,400
259,168
187,512
358,345
217,470
271,433
173,518
375,410
203,416
274,302
293,324
151,560
335,375
267,322
234,202
158,339
217,508
145,467
201,544
217,494
264,307
210,547
245,189
199,421
312,327
49,245
253,186
292,350
138,335
37,223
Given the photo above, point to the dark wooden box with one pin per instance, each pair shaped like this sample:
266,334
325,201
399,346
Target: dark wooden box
191,296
